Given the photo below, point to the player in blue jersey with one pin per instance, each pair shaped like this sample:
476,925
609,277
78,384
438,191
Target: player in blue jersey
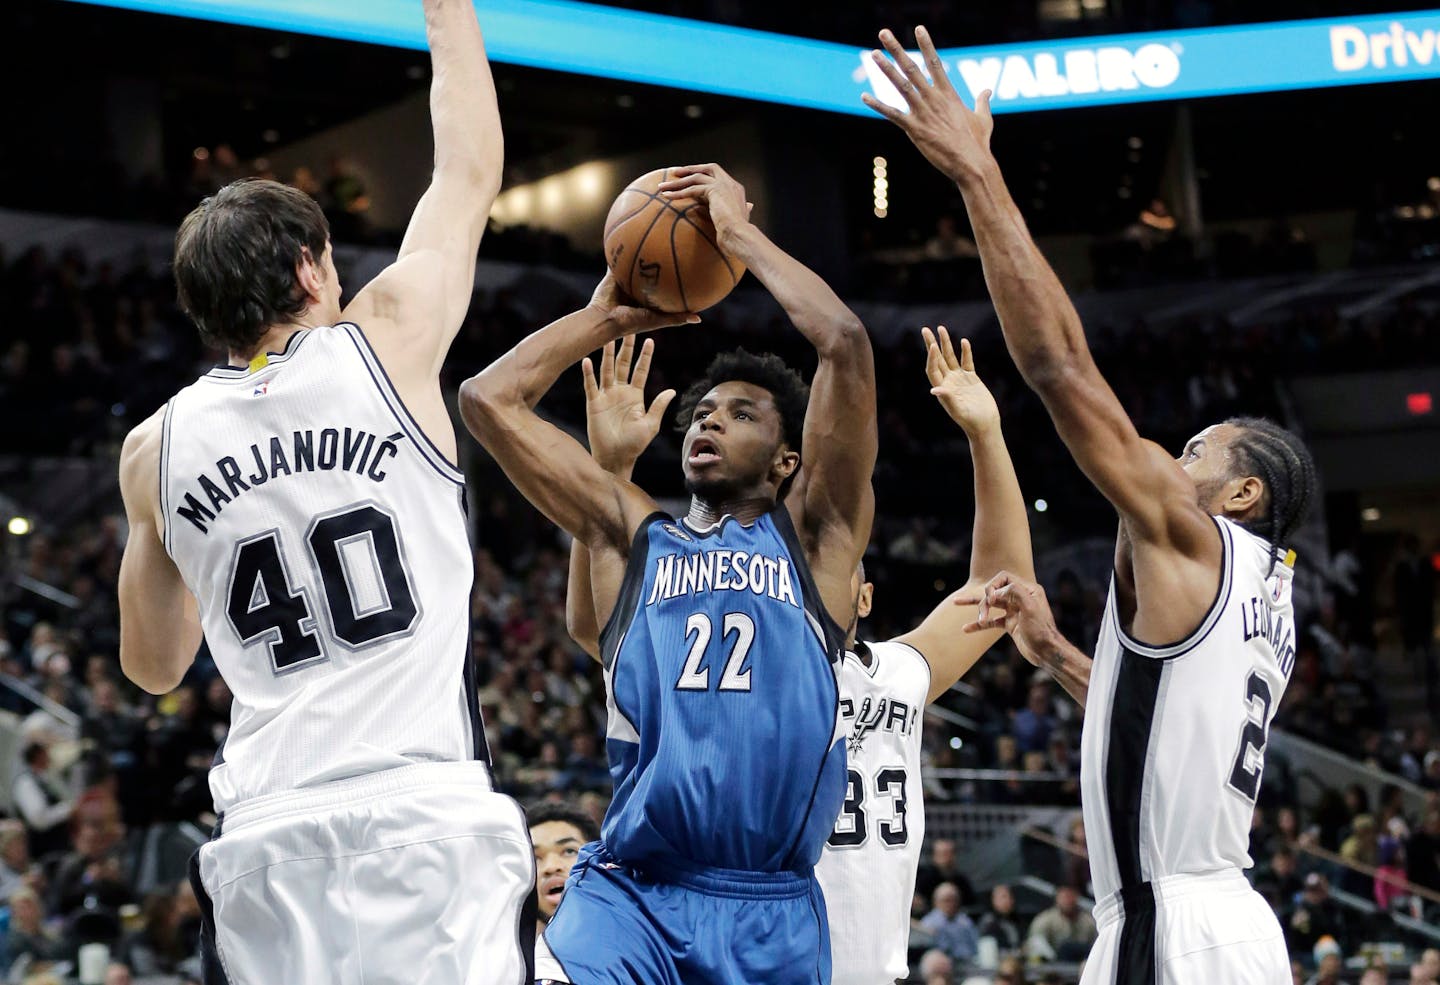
721,639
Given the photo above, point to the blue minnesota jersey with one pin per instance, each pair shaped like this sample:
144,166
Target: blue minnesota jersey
720,672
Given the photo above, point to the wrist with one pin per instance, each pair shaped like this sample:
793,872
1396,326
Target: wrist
618,466
981,432
976,175
734,237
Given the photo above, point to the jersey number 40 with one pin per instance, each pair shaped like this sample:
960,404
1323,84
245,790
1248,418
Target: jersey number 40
362,575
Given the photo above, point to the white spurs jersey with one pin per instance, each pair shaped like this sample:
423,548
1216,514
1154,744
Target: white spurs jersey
1173,745
324,537
867,870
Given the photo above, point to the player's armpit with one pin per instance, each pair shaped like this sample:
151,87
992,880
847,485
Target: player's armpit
941,639
159,621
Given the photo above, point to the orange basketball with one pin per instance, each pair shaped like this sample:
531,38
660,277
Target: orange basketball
663,252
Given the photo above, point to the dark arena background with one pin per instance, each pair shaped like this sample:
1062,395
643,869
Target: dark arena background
1242,234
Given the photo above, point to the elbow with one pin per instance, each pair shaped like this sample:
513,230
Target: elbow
481,403
148,677
1048,372
582,632
845,338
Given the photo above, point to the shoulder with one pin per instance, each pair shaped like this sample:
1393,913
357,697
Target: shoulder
140,454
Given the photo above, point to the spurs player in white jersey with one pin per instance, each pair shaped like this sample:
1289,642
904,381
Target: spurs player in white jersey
301,509
1198,636
867,871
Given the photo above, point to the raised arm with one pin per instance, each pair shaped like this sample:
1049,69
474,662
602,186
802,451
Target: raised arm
1174,541
1018,606
1001,536
620,427
159,620
832,502
412,311
552,469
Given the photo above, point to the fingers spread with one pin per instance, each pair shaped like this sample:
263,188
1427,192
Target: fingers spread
884,109
642,365
967,357
948,349
938,76
587,371
656,413
624,358
607,365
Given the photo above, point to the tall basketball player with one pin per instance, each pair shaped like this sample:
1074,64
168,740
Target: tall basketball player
871,857
1198,639
721,629
300,507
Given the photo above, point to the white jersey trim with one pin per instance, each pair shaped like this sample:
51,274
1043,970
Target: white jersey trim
164,470
1217,607
428,451
241,374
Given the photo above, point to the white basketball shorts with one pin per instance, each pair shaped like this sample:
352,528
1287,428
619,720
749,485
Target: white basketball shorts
412,876
1188,930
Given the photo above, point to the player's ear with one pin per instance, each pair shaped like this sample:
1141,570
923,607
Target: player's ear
866,600
310,274
786,462
1243,494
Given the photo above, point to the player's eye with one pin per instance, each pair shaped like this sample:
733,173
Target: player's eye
741,415
570,852
700,415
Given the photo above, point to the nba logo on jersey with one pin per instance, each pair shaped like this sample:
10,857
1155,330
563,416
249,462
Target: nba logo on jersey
260,389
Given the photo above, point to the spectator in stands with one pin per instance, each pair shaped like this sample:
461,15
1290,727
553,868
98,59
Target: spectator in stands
1415,609
1329,962
118,973
1423,853
952,931
1315,915
1374,976
919,546
558,830
1361,848
167,937
1064,931
999,921
43,808
93,870
936,968
1034,723
1390,891
14,857
1279,880
1428,968
943,867
1077,859
28,934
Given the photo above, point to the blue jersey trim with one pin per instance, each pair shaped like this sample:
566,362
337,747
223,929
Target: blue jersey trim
628,601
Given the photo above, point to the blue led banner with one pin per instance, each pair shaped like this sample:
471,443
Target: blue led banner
687,54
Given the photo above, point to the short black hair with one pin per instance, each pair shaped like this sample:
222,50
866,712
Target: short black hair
767,371
235,258
562,810
1282,462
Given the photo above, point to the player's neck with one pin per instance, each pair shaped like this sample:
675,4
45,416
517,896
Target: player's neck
275,339
746,509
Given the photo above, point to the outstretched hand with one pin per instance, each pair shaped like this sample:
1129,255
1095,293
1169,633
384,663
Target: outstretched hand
953,137
616,419
954,382
632,318
1018,607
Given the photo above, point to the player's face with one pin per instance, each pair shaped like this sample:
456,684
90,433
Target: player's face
733,446
1206,460
557,845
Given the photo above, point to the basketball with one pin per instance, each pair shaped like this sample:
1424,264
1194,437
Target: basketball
663,252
